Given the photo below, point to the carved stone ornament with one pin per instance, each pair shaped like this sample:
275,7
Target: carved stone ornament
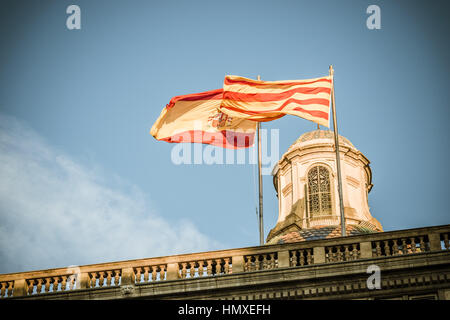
126,290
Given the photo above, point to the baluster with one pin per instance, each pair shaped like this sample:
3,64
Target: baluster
413,245
223,266
378,248
209,267
395,248
93,279
355,252
31,284
263,262
146,275
200,268
39,286
47,285
227,265
155,273
302,257
192,269
387,251
214,267
251,263
63,283
346,253
334,254
10,288
2,289
108,278
55,284
254,263
138,274
101,278
220,266
422,244
404,246
162,272
117,277
292,254
183,270
308,256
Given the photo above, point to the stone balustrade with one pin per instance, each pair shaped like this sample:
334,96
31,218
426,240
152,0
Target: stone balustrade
205,268
399,246
301,257
346,252
225,262
148,274
105,278
256,262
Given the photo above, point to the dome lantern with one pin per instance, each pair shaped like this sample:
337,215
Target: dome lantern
305,180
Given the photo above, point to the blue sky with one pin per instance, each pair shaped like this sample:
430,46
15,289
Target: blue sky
82,180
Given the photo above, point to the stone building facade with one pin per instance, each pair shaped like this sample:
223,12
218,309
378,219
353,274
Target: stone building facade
305,256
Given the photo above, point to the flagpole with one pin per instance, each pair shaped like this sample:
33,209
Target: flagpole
260,216
338,160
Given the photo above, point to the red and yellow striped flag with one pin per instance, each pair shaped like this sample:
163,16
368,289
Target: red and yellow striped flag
195,118
269,100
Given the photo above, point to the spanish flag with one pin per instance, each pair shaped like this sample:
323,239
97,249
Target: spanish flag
269,100
195,118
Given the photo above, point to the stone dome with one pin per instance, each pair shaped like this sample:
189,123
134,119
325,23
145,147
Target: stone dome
319,136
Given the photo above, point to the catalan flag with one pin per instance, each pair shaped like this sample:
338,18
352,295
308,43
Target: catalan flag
269,100
195,118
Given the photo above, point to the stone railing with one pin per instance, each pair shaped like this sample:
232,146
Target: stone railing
225,262
204,268
345,252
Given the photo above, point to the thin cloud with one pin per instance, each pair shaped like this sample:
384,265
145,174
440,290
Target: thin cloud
55,212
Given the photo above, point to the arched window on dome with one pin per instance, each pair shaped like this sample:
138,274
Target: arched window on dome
319,191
